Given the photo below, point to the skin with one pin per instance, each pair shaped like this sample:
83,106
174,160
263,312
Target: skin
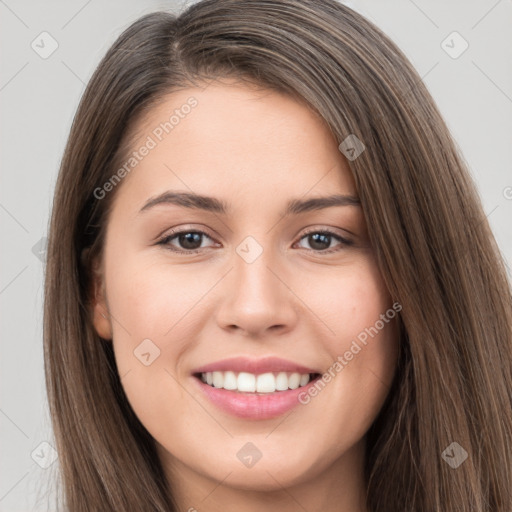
254,149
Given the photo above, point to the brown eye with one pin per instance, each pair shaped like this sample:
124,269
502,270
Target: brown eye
187,241
320,241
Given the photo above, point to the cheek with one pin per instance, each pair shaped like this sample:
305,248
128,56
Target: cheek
350,302
151,299
157,314
151,332
363,346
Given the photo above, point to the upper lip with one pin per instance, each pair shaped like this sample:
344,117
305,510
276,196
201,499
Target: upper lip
256,366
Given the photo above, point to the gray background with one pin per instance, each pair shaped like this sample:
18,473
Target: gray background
38,98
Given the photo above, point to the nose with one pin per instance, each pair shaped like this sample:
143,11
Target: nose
257,299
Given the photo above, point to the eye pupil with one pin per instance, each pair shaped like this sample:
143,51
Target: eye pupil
320,238
190,238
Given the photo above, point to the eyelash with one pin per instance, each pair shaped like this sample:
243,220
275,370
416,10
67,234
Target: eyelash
173,234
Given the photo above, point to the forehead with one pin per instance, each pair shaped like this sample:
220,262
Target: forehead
233,140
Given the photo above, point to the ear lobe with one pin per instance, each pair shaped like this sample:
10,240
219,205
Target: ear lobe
100,311
101,319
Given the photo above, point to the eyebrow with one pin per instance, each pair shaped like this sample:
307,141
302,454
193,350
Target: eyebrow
212,204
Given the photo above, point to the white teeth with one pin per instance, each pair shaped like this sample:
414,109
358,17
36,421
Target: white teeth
218,379
246,382
293,381
230,381
282,381
266,383
304,379
263,383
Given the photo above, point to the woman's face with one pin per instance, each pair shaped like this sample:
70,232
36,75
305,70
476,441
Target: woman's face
246,282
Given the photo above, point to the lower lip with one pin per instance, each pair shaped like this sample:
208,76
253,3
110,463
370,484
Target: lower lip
254,406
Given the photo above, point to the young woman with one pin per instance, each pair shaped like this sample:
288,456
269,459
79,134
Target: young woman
270,282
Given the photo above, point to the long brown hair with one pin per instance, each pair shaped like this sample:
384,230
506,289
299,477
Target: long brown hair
431,238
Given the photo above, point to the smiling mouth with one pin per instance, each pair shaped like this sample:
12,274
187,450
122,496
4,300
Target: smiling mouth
256,384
